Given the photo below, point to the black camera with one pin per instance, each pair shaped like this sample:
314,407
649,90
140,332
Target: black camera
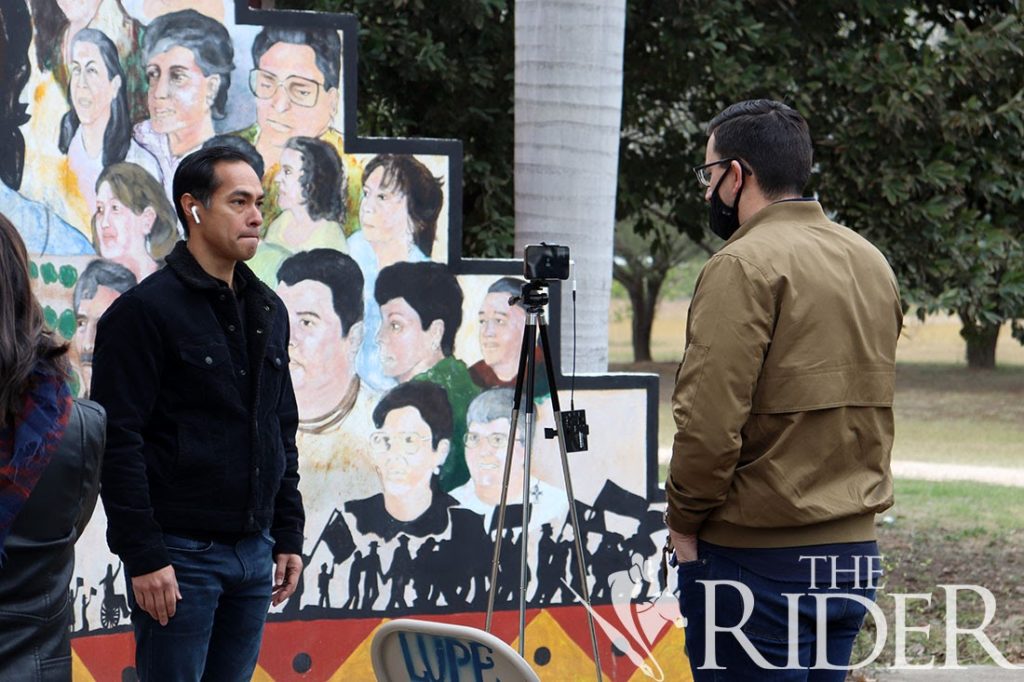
546,261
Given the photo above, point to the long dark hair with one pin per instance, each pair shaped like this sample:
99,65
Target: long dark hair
24,338
324,183
118,135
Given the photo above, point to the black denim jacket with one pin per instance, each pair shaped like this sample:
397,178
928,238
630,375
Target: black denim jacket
201,416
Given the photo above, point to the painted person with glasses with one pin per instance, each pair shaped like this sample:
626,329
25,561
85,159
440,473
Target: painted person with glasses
412,441
486,447
783,412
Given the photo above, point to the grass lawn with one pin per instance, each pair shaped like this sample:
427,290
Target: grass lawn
944,412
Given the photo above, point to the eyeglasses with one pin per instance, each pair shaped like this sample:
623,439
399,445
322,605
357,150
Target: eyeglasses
404,443
301,91
703,173
498,441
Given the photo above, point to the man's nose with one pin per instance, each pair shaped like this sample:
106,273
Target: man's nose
707,193
162,87
280,99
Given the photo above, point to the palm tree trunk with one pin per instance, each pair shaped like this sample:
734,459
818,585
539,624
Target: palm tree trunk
568,108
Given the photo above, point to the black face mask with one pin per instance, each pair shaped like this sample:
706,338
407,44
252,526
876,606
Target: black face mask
724,220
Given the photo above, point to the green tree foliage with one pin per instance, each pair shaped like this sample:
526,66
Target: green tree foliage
916,114
443,70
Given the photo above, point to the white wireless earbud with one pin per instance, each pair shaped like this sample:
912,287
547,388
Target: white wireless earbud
195,214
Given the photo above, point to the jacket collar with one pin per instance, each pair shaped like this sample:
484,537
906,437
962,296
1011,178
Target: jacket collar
801,211
191,273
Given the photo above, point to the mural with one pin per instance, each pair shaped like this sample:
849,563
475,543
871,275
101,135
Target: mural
402,354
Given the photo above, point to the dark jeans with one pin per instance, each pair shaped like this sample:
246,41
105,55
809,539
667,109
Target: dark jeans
216,632
767,625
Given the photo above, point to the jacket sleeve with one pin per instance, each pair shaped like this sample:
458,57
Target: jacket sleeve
729,328
94,424
127,361
289,517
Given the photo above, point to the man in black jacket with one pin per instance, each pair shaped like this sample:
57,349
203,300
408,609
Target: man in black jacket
200,483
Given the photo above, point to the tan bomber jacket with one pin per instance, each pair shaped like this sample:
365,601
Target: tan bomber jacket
783,400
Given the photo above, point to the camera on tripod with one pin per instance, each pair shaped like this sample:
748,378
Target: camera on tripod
546,261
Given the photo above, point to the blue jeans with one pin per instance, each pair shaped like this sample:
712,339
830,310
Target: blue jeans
215,633
767,627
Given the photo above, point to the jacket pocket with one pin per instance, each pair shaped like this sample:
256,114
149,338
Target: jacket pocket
851,386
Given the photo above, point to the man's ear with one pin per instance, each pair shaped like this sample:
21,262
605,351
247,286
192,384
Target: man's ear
332,96
355,337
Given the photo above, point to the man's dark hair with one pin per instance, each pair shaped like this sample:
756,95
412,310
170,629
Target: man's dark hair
772,138
239,144
325,42
197,175
513,286
205,38
429,289
429,399
335,270
118,134
102,273
15,37
324,183
422,191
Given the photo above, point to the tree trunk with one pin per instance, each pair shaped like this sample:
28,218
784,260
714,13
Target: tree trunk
644,299
568,108
981,343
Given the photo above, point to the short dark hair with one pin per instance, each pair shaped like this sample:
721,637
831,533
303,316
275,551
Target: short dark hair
325,42
205,38
430,289
513,286
137,189
197,175
324,183
421,189
102,273
239,144
335,270
429,399
772,138
118,135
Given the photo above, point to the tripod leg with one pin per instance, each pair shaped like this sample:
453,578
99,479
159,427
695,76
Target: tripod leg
526,349
577,540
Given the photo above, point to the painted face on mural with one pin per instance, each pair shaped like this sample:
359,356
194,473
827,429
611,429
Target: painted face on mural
501,332
119,231
384,212
406,349
92,90
289,180
180,96
403,455
322,358
89,312
230,227
288,74
486,447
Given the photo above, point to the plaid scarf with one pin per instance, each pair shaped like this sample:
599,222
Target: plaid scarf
28,441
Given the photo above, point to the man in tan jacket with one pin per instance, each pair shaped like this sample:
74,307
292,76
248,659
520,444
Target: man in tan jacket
783,410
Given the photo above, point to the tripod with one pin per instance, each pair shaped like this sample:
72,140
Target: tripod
535,298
